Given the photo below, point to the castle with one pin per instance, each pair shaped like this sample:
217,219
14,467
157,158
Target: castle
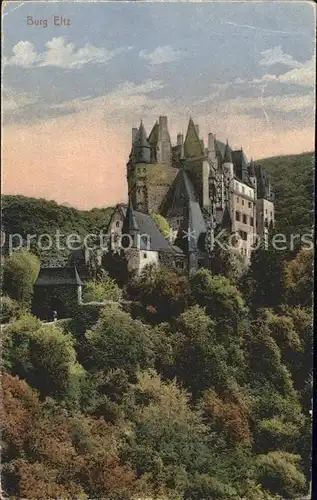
199,190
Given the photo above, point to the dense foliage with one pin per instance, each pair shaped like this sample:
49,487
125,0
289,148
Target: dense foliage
199,389
293,178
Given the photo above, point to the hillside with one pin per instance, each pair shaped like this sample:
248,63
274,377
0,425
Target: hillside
293,178
36,216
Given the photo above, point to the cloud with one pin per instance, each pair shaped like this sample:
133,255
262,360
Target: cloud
58,53
277,56
24,55
127,101
161,55
301,73
282,104
304,76
13,101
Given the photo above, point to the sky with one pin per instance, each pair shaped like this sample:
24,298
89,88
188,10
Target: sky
73,89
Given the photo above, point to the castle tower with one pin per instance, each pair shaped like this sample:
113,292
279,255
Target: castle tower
197,163
140,156
164,146
227,175
265,201
141,146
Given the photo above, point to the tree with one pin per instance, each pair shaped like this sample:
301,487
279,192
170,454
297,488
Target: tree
219,296
44,355
201,362
19,275
279,472
98,291
263,284
298,279
162,224
230,417
264,360
9,309
50,453
227,261
167,439
118,341
163,294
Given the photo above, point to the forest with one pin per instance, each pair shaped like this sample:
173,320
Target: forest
199,387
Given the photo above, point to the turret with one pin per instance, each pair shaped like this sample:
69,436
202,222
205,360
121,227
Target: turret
227,157
252,176
164,146
141,146
227,164
130,228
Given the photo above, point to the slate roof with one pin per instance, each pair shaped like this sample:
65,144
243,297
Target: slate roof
130,223
56,276
227,156
264,184
184,189
141,146
153,137
153,239
240,166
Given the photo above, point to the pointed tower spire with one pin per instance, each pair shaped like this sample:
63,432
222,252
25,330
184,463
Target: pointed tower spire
251,168
141,146
227,157
193,146
130,224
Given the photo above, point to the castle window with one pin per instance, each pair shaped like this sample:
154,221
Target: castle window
249,204
179,264
271,214
243,235
238,216
244,219
266,211
251,221
238,199
242,202
117,223
266,223
144,255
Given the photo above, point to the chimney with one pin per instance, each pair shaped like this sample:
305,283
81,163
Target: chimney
163,123
134,134
211,142
180,139
197,129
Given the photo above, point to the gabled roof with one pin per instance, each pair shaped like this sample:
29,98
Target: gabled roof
192,145
57,276
141,138
184,193
240,165
152,238
153,137
251,168
227,156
